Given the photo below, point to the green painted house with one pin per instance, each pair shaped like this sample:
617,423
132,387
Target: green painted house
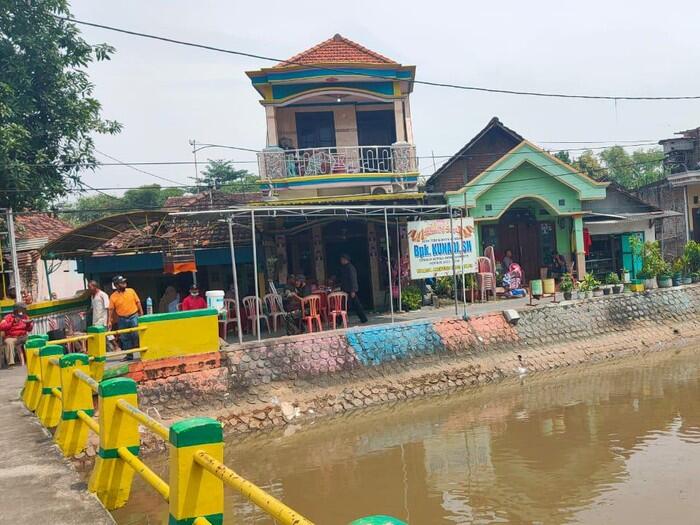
527,200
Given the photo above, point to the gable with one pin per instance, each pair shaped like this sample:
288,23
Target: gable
546,174
337,50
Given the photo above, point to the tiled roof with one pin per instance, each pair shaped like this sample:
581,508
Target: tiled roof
337,50
39,226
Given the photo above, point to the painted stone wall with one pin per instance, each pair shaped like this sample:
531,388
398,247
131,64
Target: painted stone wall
265,384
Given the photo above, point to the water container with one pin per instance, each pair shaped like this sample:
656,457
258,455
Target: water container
536,287
215,299
149,306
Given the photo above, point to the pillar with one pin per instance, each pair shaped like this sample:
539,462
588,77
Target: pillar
72,432
400,122
319,256
32,384
374,263
270,254
194,492
281,252
578,246
271,118
49,408
111,477
97,350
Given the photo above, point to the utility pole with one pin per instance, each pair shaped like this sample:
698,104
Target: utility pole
13,253
193,143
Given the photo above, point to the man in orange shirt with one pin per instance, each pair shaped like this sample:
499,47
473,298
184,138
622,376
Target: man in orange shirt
125,307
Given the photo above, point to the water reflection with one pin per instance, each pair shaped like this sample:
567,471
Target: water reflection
611,444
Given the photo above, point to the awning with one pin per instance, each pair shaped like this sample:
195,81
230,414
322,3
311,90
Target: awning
608,218
91,236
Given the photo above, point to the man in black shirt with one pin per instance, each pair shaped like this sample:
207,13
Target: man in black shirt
348,283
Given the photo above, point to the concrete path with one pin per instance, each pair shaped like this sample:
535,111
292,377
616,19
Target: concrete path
37,484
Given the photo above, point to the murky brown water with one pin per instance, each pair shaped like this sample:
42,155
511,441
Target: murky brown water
616,444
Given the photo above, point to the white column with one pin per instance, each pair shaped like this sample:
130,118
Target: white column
400,124
271,118
409,121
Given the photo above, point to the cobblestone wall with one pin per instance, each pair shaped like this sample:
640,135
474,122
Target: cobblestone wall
271,383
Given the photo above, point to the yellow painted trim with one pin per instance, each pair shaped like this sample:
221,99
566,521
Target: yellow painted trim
358,176
266,91
397,88
340,198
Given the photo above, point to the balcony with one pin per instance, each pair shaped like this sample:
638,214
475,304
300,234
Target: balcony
313,168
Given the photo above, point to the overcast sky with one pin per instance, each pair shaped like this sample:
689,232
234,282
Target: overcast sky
165,94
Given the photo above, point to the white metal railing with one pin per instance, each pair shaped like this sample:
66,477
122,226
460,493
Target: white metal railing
276,163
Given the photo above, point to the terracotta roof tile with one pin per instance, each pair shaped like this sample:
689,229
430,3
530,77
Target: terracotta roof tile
39,226
337,50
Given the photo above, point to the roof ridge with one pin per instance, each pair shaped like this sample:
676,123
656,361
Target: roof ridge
335,38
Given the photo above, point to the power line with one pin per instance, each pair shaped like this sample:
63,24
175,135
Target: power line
135,168
384,77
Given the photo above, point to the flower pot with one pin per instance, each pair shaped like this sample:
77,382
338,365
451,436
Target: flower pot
687,280
588,294
650,284
598,292
664,281
567,296
696,278
625,277
677,278
607,290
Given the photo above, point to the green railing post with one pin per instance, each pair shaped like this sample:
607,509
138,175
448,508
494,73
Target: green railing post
49,408
32,385
111,477
194,492
72,432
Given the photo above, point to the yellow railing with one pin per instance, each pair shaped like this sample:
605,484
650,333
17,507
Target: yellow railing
60,389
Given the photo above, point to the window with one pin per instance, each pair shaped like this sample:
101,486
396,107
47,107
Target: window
488,207
562,202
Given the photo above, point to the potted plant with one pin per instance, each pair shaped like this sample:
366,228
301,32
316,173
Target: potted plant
691,254
677,268
687,278
695,276
664,277
588,284
567,286
613,281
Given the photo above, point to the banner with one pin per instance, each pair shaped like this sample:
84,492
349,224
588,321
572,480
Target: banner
430,247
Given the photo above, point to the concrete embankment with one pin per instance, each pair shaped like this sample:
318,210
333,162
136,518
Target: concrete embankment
37,483
294,379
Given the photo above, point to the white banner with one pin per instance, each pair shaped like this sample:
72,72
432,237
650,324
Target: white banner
430,247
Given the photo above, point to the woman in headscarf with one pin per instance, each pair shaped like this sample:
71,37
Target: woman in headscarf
169,301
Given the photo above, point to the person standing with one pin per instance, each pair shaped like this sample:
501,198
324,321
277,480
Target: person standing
125,305
348,284
169,301
15,327
99,302
194,301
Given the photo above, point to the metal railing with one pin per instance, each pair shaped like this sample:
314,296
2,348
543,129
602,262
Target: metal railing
60,389
399,158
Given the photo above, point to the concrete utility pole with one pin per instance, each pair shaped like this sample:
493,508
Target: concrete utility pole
13,253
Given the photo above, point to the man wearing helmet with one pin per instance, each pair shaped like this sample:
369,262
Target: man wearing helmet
125,307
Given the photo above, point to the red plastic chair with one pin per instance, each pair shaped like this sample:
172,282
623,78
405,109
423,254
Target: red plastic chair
338,306
229,317
310,312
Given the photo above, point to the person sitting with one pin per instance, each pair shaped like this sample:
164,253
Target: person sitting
15,327
169,301
194,301
559,266
292,304
507,261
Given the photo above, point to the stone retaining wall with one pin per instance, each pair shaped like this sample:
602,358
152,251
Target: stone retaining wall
271,383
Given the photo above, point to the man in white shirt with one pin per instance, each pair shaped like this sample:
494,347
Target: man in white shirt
100,304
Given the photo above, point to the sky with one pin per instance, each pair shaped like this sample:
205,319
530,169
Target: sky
165,95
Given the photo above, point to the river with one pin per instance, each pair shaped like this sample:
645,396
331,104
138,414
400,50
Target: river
614,443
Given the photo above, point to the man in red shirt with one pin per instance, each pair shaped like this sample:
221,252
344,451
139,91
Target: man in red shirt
15,327
194,301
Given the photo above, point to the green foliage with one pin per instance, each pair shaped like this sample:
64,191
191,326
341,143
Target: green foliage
630,170
91,208
612,278
444,286
679,266
653,263
588,283
691,252
48,115
567,283
221,174
411,298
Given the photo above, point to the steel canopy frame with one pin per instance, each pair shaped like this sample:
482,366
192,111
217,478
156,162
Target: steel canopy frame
354,211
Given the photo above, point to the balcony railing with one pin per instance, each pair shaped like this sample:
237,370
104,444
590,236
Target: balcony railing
397,158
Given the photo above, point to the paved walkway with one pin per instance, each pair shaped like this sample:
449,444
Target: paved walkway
37,484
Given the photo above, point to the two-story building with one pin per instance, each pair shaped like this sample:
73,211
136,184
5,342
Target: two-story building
339,131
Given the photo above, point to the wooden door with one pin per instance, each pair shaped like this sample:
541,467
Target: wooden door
529,249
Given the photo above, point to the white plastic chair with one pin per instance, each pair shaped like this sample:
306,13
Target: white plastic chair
254,310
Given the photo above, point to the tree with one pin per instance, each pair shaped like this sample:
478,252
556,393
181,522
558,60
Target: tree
93,207
221,174
589,164
47,112
564,157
